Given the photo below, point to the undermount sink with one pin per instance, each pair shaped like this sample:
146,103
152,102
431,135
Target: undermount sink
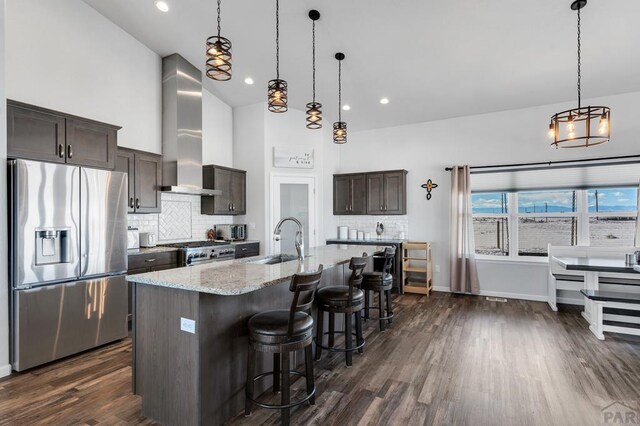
273,260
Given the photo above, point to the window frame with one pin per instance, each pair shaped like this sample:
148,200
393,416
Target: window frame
582,214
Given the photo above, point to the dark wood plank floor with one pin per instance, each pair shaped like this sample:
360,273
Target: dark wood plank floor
445,360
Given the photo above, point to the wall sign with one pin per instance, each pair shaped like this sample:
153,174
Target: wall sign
293,158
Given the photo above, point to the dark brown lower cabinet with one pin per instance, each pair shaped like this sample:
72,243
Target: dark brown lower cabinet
247,250
141,263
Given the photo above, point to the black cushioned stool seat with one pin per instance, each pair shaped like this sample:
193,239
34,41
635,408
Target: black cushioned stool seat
380,282
347,300
281,332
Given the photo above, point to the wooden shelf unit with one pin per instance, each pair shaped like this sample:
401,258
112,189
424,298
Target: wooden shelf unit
413,265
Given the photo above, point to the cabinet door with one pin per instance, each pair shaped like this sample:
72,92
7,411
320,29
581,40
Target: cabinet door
394,193
222,181
35,135
147,180
238,192
91,144
375,193
125,164
358,194
341,195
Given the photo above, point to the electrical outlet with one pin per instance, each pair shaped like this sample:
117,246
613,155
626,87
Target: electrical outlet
437,269
252,225
188,325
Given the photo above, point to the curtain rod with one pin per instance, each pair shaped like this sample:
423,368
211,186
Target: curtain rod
551,163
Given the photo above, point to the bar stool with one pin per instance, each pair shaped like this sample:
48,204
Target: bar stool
380,282
280,333
347,300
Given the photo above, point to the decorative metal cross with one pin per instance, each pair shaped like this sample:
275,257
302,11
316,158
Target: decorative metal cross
429,186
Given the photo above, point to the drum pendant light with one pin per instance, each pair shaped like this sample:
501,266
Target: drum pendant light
340,127
314,109
277,91
576,128
218,56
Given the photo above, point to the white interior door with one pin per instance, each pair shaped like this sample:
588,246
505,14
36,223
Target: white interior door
293,196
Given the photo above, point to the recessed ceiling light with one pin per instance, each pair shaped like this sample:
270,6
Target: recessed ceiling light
162,5
248,80
384,101
346,107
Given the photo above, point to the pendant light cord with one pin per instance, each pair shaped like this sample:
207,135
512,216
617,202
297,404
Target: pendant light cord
277,40
218,18
340,91
313,42
579,61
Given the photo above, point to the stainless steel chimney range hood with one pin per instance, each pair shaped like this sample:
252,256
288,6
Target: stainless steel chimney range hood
182,128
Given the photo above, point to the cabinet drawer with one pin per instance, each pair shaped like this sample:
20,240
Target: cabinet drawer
247,250
153,260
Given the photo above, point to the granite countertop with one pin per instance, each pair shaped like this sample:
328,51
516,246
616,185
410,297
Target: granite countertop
372,241
239,276
636,268
150,250
237,243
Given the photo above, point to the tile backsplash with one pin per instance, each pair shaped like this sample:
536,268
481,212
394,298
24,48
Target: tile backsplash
393,225
179,221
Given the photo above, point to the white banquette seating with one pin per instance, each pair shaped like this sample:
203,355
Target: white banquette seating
621,317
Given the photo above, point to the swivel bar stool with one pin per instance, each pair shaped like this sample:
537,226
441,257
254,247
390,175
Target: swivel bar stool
280,333
347,300
381,283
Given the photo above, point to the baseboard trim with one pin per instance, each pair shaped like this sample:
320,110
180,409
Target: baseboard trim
5,370
518,296
569,301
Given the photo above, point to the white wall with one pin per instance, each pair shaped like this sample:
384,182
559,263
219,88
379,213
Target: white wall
66,56
249,154
5,368
217,131
256,132
505,137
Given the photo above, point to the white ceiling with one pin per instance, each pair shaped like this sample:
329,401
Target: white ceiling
432,59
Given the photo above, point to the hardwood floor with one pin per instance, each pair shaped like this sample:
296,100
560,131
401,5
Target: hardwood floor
445,360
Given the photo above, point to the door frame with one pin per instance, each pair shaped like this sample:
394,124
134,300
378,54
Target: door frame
276,179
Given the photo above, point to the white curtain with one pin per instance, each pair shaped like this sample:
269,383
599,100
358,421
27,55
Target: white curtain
464,274
637,239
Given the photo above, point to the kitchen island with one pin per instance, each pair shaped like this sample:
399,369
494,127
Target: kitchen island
190,330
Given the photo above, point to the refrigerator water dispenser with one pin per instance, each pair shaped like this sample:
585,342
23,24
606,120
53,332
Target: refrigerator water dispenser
52,246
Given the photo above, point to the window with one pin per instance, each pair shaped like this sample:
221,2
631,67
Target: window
528,221
612,216
490,223
546,217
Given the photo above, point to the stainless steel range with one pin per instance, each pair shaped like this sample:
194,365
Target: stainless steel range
199,252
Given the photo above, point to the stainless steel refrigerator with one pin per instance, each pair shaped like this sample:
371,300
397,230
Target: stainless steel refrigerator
67,260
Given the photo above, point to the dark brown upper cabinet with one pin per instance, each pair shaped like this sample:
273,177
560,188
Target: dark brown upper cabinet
373,193
36,133
145,179
349,194
232,183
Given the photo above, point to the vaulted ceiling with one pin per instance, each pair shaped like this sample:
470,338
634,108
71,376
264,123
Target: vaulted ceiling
433,59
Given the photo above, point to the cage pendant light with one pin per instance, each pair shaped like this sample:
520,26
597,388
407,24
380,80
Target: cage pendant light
218,66
340,127
582,126
314,109
277,91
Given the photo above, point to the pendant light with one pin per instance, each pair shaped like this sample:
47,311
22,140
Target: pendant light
340,127
581,126
277,93
314,109
218,55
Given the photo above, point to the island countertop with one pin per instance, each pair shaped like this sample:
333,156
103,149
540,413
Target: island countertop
239,276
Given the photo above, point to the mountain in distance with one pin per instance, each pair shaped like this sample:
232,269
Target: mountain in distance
554,209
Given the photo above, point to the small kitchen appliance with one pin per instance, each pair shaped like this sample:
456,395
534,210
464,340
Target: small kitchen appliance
231,232
148,239
133,238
